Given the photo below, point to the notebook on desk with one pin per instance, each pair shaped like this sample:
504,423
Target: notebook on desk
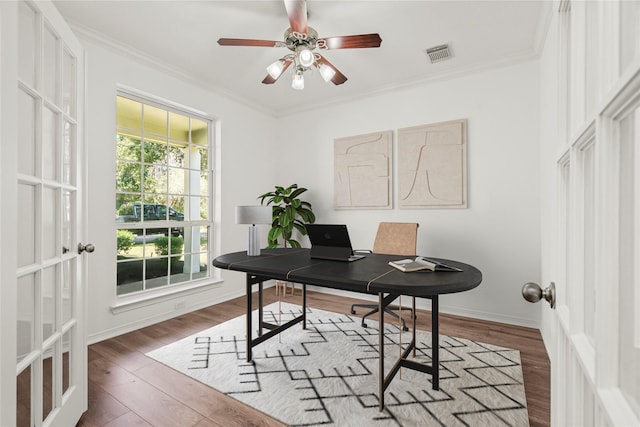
331,241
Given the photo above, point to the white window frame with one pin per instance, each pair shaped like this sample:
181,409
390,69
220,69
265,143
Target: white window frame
134,300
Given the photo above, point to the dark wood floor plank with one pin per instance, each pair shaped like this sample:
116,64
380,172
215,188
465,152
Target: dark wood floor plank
156,395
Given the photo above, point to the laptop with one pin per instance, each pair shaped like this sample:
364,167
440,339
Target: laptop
331,241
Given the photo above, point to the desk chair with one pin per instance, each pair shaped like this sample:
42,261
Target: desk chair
397,238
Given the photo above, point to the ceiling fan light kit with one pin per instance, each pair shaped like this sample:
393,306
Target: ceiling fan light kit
302,40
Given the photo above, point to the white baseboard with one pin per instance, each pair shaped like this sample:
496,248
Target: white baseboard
160,317
420,303
458,311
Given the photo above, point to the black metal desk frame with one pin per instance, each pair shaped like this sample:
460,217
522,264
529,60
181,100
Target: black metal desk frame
383,301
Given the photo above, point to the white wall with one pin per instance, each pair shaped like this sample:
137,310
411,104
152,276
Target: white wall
242,147
499,231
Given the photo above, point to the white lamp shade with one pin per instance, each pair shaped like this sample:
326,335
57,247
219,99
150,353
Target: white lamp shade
254,214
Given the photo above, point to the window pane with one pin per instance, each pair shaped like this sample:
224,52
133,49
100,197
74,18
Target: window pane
48,301
50,223
26,225
129,113
66,361
128,176
176,156
68,287
155,152
69,153
26,134
177,180
49,144
204,159
50,65
27,44
130,273
204,208
155,179
26,312
69,84
155,120
179,126
23,397
129,147
204,183
199,132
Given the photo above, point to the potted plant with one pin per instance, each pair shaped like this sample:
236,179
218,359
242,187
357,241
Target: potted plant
289,213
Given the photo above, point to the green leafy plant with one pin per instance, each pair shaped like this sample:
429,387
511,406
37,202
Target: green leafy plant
162,245
289,213
125,240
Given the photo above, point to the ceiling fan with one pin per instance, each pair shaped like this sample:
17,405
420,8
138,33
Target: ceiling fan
302,40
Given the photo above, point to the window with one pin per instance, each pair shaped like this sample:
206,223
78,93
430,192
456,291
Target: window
163,195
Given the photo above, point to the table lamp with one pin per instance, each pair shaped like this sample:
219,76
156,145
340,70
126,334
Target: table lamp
253,215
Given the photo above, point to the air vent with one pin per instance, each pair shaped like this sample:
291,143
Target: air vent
438,53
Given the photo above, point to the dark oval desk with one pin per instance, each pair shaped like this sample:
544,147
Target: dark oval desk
370,275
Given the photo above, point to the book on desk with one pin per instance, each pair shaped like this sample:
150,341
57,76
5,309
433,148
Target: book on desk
409,265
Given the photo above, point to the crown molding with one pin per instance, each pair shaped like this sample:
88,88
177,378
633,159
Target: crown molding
132,53
520,57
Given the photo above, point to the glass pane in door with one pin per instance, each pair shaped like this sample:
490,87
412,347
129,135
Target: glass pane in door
26,134
27,33
50,65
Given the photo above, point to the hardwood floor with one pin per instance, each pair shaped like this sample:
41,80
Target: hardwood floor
126,388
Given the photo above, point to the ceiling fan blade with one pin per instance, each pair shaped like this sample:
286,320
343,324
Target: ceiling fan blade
338,78
247,42
350,42
268,80
297,11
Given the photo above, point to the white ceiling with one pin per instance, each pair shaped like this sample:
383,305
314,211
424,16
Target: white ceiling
182,36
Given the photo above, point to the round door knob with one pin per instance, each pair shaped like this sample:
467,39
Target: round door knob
86,248
532,292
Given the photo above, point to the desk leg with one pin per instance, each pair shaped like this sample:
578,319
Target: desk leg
249,334
304,306
413,333
435,343
381,352
260,311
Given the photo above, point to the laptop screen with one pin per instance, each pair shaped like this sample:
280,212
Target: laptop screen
329,241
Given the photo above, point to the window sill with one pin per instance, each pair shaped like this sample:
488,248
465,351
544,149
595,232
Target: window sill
125,304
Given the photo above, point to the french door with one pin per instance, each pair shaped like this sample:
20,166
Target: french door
591,211
50,371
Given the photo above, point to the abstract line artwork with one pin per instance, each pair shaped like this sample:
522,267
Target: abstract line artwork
432,166
362,171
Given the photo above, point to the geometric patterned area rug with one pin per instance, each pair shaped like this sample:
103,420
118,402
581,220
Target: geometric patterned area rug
328,373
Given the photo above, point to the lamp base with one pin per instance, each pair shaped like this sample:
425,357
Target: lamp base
254,244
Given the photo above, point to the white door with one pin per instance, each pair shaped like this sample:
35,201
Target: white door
50,352
590,168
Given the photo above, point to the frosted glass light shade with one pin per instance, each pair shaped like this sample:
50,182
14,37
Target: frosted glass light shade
305,58
326,72
275,69
298,81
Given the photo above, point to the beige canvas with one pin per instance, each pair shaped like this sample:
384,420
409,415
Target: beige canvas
432,166
362,171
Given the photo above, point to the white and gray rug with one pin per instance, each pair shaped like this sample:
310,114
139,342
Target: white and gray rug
328,374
